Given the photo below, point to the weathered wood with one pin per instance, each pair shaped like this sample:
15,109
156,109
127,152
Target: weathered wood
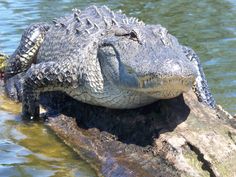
177,137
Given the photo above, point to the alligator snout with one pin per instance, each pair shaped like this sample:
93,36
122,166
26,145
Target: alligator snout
171,78
177,69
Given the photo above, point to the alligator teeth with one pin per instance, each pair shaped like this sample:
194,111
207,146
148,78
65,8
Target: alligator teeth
141,84
145,82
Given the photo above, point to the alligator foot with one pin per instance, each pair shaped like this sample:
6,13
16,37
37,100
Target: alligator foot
30,106
48,76
13,87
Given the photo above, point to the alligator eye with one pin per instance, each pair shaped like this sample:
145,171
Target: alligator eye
133,35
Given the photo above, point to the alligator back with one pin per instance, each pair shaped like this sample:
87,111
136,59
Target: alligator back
77,35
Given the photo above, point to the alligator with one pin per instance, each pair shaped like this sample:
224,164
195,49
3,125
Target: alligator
104,58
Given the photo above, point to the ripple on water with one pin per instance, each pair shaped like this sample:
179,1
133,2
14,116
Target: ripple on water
12,154
37,152
24,171
30,149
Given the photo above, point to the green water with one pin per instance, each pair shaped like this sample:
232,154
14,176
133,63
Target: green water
208,26
30,149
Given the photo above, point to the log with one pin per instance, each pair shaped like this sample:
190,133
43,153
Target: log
176,137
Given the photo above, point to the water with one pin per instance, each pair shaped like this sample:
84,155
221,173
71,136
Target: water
30,149
208,26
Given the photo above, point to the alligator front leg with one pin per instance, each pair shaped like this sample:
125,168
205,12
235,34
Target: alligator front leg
48,76
26,52
201,87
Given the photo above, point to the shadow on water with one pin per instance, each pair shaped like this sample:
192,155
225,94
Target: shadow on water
135,126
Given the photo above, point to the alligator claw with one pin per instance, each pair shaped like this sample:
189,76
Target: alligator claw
13,87
30,107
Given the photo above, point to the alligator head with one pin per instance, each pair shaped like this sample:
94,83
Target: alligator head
146,59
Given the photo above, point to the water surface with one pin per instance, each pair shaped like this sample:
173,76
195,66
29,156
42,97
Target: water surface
31,149
208,26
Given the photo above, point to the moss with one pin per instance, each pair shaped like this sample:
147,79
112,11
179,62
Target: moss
3,58
193,160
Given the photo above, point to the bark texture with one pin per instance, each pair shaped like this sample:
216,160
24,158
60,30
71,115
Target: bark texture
177,137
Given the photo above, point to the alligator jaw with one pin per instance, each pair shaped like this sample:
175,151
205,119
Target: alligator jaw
166,87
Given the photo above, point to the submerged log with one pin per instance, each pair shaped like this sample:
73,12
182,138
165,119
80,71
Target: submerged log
176,137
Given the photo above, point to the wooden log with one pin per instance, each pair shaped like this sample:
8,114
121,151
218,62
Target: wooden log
176,137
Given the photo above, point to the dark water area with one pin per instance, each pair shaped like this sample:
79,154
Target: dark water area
208,26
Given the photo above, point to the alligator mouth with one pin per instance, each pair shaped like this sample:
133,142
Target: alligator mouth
166,87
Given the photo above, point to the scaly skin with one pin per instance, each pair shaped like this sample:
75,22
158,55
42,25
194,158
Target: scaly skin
103,58
200,87
25,54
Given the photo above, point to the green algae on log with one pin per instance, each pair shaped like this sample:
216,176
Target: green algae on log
176,137
3,57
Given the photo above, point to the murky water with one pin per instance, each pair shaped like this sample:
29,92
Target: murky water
30,149
208,26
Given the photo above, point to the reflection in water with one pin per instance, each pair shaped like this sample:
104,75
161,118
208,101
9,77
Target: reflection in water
30,149
208,26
